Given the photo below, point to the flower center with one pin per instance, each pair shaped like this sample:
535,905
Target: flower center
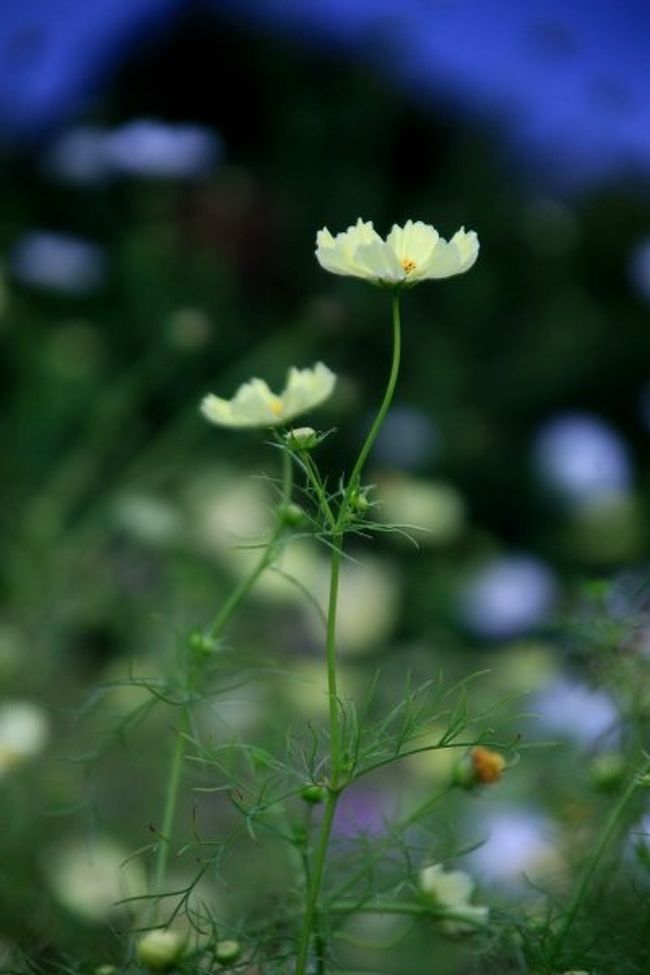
408,264
276,406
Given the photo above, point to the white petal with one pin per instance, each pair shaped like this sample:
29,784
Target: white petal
380,262
413,241
305,389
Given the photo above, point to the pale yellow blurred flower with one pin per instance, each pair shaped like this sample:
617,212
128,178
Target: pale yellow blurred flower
24,731
254,405
90,878
451,890
412,253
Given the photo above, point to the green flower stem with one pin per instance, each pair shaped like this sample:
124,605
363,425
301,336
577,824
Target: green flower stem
222,619
335,785
383,409
611,825
169,809
330,651
268,554
316,879
315,885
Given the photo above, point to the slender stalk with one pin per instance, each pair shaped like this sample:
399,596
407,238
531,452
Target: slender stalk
330,651
239,594
268,554
335,787
221,620
611,825
316,881
169,809
385,404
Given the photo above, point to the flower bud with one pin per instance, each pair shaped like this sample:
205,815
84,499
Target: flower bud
359,502
291,514
105,970
302,438
482,766
313,794
159,950
226,952
201,643
607,771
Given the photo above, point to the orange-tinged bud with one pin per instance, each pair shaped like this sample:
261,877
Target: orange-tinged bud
488,765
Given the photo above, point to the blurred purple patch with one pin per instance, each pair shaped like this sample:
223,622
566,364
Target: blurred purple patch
507,597
362,810
581,458
58,262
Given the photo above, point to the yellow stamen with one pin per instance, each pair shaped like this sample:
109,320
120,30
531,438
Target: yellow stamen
408,265
276,406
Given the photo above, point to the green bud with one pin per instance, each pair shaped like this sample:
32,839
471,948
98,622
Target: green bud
313,794
291,514
105,970
226,952
359,502
607,771
201,643
159,950
302,438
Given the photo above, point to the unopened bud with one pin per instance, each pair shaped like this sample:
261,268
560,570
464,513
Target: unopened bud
201,643
482,766
313,794
226,952
159,950
302,438
607,771
291,514
359,502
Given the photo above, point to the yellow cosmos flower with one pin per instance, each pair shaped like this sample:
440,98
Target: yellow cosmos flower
412,253
254,405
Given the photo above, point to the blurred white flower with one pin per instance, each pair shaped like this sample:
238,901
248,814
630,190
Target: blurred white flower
518,842
507,596
24,731
88,155
412,253
78,156
254,405
581,457
435,508
151,520
149,147
90,878
58,261
451,890
583,714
